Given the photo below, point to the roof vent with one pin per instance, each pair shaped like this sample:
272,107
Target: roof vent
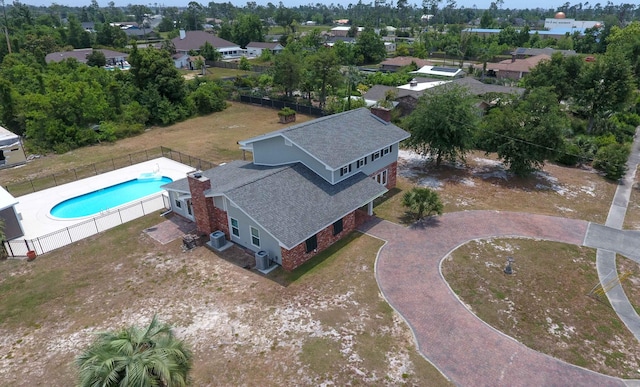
413,83
197,175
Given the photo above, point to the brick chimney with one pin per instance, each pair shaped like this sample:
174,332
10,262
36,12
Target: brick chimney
203,207
382,113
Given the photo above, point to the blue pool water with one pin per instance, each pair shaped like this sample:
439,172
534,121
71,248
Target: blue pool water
103,199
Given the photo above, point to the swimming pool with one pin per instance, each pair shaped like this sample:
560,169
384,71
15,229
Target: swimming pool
94,202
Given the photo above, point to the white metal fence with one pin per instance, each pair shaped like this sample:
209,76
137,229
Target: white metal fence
102,222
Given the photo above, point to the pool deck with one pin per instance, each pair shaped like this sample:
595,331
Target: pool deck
34,208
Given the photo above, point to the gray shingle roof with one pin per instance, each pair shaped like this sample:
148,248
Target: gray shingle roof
81,55
294,203
227,177
342,138
290,202
193,40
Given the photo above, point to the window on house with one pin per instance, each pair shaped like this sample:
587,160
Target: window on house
386,150
345,170
337,227
311,243
189,207
235,230
178,203
375,156
381,177
255,237
362,162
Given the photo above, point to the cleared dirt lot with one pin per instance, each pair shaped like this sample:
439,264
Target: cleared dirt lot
326,324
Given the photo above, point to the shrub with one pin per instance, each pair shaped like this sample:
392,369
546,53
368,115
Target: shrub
286,111
422,202
612,159
570,155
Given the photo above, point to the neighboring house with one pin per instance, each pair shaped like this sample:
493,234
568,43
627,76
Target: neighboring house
330,41
390,46
12,225
11,151
407,95
523,53
80,54
193,40
343,31
513,68
305,189
256,48
180,60
395,64
439,71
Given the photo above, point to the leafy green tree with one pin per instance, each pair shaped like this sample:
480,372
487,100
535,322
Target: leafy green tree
612,160
370,46
96,59
9,107
247,28
110,36
193,16
150,356
560,73
244,64
210,53
509,36
604,87
287,69
324,71
154,69
626,41
208,98
345,53
443,124
524,133
77,36
422,202
286,18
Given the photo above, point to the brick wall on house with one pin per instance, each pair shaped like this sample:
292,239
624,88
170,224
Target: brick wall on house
203,208
362,217
298,255
221,221
392,171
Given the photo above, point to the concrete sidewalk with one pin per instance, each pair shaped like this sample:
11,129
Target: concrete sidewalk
611,240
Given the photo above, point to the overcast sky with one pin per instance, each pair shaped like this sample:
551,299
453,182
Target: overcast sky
482,4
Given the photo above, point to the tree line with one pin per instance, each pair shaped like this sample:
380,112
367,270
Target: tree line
61,106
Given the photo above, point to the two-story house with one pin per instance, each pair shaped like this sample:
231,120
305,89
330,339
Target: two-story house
303,190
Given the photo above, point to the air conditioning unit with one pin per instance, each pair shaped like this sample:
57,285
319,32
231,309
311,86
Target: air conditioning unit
217,239
262,260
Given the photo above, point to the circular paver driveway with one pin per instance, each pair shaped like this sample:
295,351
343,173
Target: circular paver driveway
464,348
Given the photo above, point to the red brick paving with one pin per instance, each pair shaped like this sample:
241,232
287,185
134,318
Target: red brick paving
171,229
464,348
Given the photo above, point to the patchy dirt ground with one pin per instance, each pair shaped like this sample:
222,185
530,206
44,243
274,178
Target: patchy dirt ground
330,326
545,303
483,183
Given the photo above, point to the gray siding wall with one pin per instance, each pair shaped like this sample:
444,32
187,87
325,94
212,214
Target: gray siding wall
371,166
273,151
267,243
173,196
12,226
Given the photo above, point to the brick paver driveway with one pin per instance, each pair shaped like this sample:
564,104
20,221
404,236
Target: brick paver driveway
464,348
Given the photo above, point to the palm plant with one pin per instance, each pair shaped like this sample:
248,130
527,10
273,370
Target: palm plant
135,356
422,202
